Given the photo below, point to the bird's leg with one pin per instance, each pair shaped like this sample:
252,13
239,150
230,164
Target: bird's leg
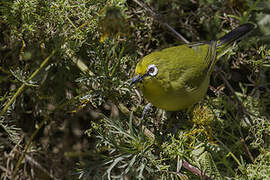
146,109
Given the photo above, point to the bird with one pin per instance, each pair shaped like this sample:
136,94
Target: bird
178,77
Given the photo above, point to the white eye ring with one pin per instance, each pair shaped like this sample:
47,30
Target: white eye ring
152,70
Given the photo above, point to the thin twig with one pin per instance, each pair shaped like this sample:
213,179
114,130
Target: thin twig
159,19
21,88
27,146
5,170
12,153
194,170
245,112
242,140
32,161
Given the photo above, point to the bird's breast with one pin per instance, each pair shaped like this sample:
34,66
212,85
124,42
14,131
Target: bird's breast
174,95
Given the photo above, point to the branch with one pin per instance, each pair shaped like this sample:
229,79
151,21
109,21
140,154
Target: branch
159,19
21,88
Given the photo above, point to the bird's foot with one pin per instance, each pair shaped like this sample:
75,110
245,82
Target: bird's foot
146,109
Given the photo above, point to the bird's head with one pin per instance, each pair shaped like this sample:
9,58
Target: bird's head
143,71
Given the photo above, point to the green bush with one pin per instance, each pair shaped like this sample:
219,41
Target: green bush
65,68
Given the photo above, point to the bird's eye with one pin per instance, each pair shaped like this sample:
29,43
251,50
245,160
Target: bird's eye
152,70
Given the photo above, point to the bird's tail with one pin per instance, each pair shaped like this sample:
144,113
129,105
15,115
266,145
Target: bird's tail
225,43
235,35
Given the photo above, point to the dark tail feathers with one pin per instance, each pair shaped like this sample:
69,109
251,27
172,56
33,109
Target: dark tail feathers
235,35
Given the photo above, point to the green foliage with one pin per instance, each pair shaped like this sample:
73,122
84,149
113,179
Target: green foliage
123,150
260,168
88,110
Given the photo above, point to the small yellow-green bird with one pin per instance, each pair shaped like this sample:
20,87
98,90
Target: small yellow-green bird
176,78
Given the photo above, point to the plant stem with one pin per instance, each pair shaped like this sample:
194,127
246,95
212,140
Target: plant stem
21,88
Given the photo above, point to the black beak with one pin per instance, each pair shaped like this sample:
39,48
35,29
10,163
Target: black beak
138,78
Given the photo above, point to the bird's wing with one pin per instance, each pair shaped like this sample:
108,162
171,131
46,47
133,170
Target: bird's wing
210,55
